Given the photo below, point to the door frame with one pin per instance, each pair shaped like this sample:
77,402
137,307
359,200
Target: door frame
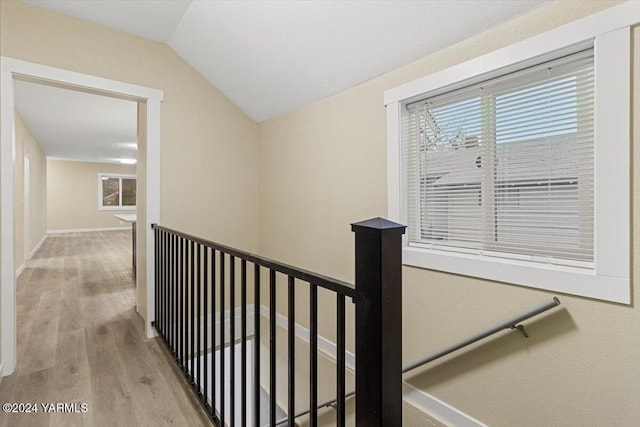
26,212
11,69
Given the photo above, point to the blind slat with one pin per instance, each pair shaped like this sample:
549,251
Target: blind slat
505,167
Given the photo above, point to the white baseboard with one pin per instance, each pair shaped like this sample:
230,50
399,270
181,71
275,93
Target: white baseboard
437,409
20,270
422,401
87,230
227,325
38,246
324,345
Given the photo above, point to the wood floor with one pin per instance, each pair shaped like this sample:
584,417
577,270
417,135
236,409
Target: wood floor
80,340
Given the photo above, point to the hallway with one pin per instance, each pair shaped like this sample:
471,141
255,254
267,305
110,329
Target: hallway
80,340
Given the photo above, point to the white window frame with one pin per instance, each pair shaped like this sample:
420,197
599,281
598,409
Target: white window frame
609,32
101,207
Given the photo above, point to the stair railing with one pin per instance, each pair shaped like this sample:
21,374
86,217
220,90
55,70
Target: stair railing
196,283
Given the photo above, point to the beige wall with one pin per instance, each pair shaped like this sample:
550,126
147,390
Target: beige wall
208,145
29,210
323,166
72,195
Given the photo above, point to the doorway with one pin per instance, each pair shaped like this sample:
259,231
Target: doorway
148,101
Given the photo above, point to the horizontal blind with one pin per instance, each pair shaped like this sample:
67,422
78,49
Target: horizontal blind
505,167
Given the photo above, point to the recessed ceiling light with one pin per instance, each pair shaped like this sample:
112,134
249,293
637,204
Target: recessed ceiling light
128,161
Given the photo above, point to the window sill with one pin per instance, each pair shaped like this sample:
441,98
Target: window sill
570,280
117,208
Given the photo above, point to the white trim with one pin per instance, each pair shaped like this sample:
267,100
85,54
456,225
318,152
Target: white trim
7,158
613,154
1,370
417,398
394,160
324,345
20,270
436,408
576,32
88,230
152,204
238,320
609,280
570,280
227,316
13,68
38,246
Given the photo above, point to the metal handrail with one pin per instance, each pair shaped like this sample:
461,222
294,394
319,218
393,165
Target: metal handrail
336,285
510,323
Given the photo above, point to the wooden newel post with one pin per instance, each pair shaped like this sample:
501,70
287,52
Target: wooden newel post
378,323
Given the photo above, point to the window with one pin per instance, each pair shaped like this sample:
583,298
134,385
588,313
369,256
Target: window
514,166
116,192
504,168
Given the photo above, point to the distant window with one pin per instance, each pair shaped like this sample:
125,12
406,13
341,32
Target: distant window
116,192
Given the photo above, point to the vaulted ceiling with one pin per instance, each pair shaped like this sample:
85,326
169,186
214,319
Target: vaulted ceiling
270,57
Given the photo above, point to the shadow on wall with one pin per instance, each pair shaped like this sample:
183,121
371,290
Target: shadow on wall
550,327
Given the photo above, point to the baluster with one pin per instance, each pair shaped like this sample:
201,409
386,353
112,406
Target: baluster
256,346
222,340
205,319
213,333
157,278
340,368
232,338
192,312
272,346
313,342
291,408
243,350
198,322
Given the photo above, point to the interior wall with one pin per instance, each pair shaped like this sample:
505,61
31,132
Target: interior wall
72,195
30,213
208,148
208,145
323,166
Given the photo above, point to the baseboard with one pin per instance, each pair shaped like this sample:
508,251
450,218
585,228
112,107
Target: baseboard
87,230
324,345
227,325
20,270
437,409
38,246
422,401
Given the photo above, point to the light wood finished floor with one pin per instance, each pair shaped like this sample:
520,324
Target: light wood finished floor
80,340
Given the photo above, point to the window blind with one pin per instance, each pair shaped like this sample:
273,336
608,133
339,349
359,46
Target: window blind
505,167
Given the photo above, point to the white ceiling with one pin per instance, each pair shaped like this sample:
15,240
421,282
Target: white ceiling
270,57
151,19
78,126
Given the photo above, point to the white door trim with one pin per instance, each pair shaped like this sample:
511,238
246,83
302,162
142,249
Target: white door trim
11,68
